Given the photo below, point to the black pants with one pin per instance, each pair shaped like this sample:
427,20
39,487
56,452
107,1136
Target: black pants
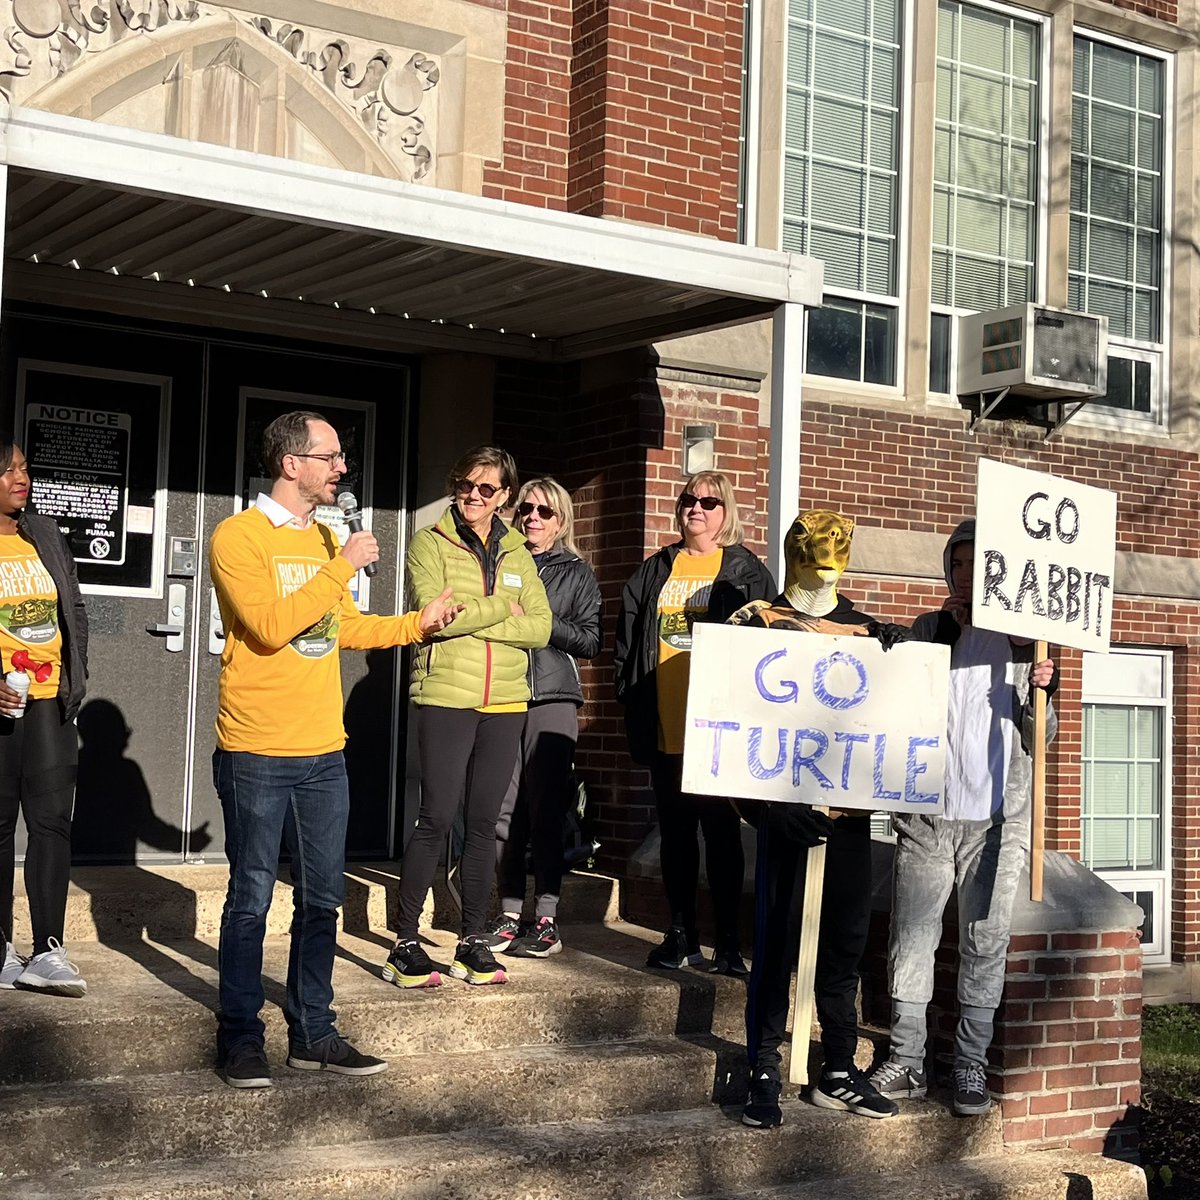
845,916
463,753
534,807
39,756
680,814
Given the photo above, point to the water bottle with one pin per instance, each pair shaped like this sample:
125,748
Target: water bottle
19,682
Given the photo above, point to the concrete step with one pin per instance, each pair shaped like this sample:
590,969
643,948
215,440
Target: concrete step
168,903
150,1007
1036,1175
645,1157
155,1117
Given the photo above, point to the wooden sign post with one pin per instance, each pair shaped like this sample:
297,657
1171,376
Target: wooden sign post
1045,551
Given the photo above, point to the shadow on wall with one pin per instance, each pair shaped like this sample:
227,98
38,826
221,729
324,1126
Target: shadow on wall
114,817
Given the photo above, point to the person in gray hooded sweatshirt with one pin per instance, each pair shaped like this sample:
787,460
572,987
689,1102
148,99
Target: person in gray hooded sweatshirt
978,845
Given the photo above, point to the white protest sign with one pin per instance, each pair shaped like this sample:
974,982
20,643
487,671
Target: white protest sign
1045,550
780,715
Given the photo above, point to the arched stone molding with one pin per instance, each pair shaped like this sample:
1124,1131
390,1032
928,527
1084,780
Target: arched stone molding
245,80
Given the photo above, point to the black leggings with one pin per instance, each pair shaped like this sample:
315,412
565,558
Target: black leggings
680,814
39,756
462,752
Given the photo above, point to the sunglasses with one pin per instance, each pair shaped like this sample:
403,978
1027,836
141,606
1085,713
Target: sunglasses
464,487
708,503
525,508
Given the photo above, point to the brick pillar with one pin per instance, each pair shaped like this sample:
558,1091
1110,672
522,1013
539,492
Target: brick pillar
1066,1057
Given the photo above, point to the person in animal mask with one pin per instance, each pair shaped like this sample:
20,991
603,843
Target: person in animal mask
979,845
817,552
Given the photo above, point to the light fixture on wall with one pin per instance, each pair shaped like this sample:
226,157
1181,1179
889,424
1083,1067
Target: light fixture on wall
698,451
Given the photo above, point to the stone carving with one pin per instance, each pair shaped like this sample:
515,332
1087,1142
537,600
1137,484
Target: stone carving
43,40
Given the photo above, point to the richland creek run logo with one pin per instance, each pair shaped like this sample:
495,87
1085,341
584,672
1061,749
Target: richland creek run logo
318,639
31,621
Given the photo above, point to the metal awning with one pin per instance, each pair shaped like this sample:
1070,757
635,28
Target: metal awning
485,275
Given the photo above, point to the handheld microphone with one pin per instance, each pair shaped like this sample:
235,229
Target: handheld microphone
348,503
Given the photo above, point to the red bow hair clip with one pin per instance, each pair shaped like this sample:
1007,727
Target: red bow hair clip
22,662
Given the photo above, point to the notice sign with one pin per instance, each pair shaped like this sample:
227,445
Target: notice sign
781,715
81,462
1045,549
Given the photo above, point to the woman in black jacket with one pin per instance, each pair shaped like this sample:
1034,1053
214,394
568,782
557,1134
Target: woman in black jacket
707,576
43,634
534,808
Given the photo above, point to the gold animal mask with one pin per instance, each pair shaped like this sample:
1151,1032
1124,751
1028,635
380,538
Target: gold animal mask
817,548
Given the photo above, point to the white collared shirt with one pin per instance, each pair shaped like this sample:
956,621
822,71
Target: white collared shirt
278,515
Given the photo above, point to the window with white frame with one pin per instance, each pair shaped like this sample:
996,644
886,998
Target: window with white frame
986,169
1126,767
1116,265
841,178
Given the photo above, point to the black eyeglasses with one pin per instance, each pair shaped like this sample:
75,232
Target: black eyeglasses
332,458
708,503
543,510
464,487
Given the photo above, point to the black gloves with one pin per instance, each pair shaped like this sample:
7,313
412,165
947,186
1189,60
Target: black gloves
888,635
801,823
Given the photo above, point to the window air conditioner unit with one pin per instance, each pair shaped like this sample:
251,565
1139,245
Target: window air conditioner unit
1032,350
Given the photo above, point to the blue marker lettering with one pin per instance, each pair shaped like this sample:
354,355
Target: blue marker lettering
822,669
913,769
791,691
810,760
849,740
754,763
717,727
880,749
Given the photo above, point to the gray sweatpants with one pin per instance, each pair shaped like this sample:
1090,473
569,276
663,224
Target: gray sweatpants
933,856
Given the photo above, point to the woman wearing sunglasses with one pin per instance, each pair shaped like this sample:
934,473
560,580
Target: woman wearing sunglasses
706,576
533,809
471,692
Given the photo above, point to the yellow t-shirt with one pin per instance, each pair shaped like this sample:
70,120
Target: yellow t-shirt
683,598
29,613
287,609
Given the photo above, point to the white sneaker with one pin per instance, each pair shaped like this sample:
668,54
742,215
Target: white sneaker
52,972
14,964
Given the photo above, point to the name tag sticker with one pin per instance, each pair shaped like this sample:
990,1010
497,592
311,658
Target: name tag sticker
511,579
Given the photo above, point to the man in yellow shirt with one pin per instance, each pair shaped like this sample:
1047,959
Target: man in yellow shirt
282,583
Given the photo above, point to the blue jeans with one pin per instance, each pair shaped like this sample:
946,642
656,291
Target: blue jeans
303,803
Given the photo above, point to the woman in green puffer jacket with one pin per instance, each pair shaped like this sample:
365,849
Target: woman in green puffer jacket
471,692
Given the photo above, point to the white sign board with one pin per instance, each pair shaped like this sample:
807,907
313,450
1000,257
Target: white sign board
780,715
1045,549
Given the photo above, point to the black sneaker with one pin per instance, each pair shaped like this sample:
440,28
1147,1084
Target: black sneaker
852,1091
503,932
728,961
408,966
475,963
898,1082
678,949
334,1054
246,1066
541,942
971,1097
762,1109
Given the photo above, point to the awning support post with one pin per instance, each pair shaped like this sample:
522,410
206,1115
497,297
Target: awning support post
783,481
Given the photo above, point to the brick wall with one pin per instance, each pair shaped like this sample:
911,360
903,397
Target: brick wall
624,108
1066,1058
1164,10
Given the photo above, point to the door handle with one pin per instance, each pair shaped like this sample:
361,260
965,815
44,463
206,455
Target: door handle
216,631
172,629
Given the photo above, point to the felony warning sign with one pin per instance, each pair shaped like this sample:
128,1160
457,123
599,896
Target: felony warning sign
780,715
1045,549
80,458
